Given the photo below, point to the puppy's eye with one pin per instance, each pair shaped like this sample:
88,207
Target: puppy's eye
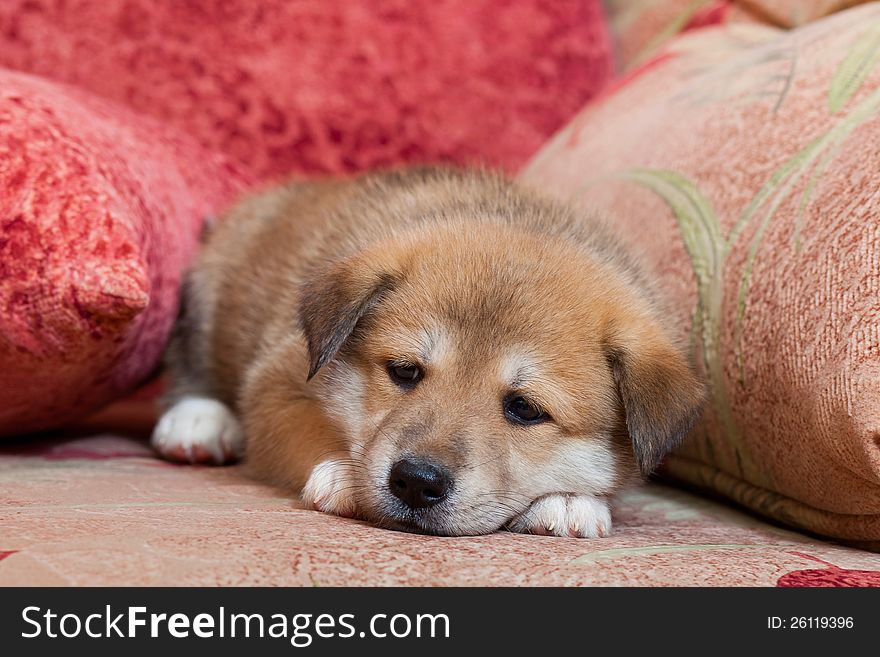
523,411
406,375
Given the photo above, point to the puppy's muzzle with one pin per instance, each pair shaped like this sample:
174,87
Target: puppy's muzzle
418,483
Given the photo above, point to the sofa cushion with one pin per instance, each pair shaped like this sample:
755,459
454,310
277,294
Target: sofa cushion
744,163
639,29
101,510
100,211
315,86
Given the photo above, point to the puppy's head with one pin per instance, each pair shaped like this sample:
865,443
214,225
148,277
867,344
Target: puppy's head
473,369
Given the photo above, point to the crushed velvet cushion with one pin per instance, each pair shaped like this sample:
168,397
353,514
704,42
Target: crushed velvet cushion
100,210
314,86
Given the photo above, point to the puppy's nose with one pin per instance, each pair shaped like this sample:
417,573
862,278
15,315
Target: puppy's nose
419,484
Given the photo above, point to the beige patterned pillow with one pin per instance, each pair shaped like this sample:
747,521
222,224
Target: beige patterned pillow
745,163
641,27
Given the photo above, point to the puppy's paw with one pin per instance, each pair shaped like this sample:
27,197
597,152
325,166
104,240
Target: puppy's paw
581,516
199,430
330,489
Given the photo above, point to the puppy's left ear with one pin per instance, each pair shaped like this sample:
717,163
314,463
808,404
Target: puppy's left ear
660,394
334,299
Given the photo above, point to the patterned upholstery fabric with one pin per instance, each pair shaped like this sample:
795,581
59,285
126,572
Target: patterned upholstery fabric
101,510
742,162
642,27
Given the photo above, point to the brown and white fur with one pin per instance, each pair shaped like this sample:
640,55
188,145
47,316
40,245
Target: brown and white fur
309,300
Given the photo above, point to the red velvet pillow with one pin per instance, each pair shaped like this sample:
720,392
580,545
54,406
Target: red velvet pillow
324,86
100,211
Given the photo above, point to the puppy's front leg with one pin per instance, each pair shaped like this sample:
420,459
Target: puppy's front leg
329,487
581,516
292,443
295,447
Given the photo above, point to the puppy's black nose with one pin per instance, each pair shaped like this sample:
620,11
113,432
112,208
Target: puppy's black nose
418,483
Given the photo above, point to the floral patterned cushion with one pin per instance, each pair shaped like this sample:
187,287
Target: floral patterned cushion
641,27
743,162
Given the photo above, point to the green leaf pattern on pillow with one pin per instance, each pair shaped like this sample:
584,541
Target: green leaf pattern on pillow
709,249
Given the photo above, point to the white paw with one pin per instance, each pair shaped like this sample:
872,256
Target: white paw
330,489
199,430
581,516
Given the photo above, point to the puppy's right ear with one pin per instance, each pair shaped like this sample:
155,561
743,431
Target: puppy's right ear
335,298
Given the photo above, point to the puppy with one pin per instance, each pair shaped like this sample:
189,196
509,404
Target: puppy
431,350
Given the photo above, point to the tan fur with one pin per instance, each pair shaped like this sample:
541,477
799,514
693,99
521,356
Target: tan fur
473,278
